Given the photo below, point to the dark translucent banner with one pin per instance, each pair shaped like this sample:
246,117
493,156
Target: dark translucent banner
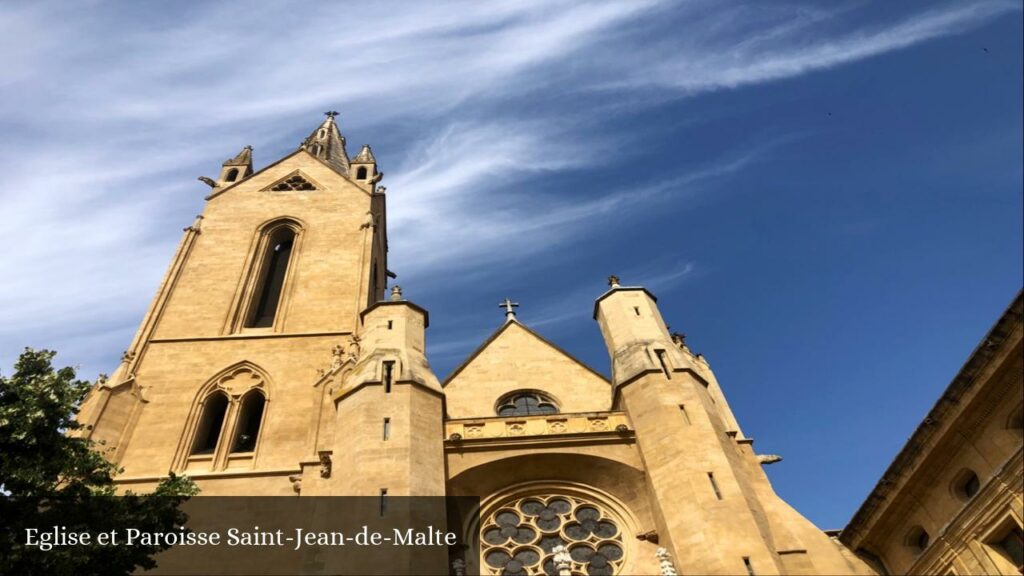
272,536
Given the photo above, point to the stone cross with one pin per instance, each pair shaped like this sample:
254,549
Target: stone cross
330,114
509,307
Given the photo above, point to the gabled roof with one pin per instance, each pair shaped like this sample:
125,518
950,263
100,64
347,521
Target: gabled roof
219,191
494,336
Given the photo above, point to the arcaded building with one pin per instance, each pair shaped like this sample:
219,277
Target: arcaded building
276,360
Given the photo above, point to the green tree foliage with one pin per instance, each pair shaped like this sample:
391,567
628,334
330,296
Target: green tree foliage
49,476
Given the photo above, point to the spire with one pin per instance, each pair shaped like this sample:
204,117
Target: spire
365,156
243,158
327,144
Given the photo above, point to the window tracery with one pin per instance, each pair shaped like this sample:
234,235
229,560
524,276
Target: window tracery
294,183
526,403
520,538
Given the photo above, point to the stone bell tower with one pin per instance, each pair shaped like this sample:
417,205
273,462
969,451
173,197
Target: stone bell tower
226,374
714,508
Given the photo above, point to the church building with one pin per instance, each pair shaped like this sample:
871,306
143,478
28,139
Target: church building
276,360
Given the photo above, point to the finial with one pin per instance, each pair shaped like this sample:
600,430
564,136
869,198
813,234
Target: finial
396,293
509,306
330,114
665,562
613,281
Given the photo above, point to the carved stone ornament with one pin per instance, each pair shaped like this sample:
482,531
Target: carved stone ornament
325,464
353,348
598,424
296,481
665,563
649,536
768,458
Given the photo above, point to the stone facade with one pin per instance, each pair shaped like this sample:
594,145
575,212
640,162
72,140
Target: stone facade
327,390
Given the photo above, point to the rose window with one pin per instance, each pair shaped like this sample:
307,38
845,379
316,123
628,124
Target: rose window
519,539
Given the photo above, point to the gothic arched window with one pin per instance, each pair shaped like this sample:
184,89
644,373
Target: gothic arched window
232,174
526,403
268,290
250,417
361,173
211,423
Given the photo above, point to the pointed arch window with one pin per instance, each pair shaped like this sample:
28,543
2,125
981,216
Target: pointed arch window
211,423
225,427
232,174
268,289
361,173
250,418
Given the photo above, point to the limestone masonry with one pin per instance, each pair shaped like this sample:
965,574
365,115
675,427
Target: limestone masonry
274,361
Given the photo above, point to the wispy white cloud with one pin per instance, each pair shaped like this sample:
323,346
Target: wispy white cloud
479,106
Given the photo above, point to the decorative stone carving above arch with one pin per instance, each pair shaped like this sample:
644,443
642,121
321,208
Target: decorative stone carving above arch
236,382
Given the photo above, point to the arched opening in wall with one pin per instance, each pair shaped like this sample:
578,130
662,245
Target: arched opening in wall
874,561
918,539
231,175
315,150
268,290
361,173
211,423
526,403
250,418
1015,423
966,484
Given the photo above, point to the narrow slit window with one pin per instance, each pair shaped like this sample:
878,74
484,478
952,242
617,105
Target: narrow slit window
389,368
250,417
210,424
387,428
714,485
636,310
268,292
391,324
686,416
664,364
383,501
749,566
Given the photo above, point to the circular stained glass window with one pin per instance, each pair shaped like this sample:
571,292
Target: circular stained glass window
520,537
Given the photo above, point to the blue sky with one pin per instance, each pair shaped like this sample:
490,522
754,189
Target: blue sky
826,197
